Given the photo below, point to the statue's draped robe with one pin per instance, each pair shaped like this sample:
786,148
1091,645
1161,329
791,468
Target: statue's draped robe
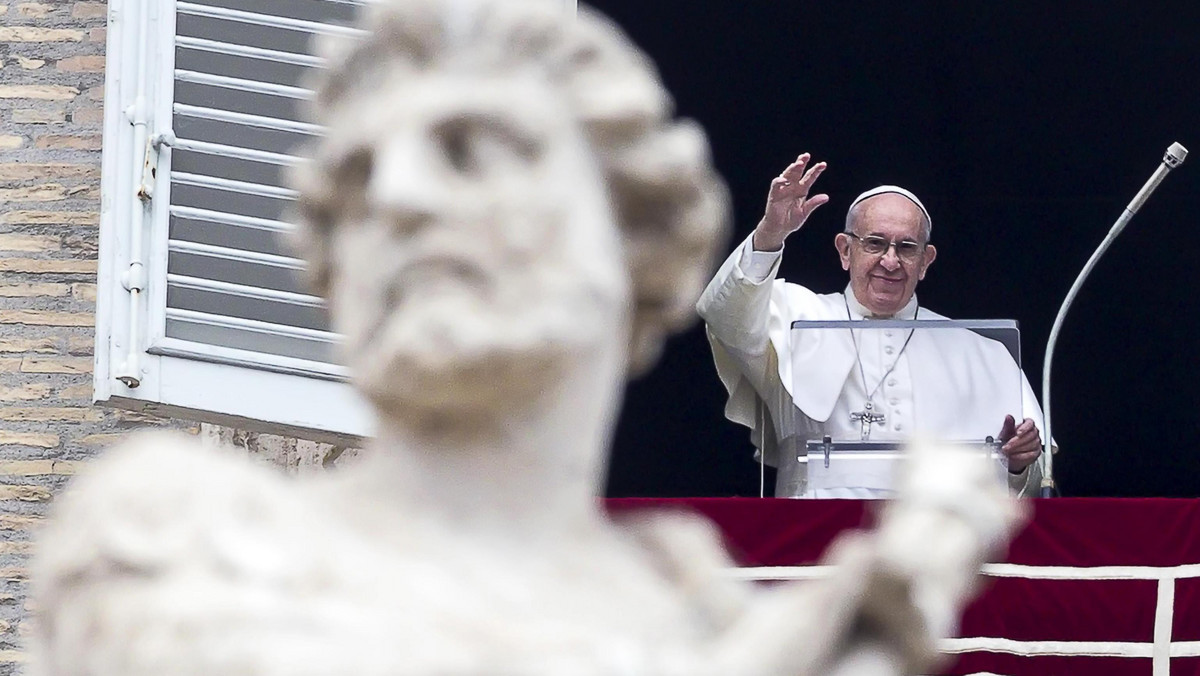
792,385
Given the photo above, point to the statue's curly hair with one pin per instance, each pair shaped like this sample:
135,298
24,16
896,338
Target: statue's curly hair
671,206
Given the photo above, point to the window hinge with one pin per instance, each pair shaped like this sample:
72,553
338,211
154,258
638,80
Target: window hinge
154,146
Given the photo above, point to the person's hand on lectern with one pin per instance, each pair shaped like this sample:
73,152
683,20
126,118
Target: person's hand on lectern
788,204
1022,444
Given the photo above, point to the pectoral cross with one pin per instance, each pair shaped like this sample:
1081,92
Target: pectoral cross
865,418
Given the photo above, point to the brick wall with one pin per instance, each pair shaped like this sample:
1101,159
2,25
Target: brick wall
51,113
51,98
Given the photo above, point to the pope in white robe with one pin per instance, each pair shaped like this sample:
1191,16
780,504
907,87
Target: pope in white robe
794,385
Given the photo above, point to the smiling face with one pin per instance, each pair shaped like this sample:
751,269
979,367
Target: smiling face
884,283
478,255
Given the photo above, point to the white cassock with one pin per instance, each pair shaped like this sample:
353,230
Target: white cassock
792,386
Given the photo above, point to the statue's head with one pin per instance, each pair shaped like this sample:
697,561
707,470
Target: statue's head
501,192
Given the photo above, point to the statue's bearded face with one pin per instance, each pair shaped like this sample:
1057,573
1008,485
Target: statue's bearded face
476,254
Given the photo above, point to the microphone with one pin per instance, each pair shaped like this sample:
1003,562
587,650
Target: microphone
1171,159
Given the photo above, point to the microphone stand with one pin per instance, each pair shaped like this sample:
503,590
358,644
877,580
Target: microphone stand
1173,158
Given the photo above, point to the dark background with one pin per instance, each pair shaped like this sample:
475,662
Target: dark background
1025,132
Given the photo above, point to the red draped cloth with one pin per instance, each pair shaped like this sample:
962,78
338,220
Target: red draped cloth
1091,586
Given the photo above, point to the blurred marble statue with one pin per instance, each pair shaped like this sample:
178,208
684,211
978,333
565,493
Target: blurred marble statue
506,222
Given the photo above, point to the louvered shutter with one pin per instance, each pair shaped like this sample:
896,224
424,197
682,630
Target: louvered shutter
220,324
233,289
201,312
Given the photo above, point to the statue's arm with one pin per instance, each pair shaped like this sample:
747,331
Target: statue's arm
891,594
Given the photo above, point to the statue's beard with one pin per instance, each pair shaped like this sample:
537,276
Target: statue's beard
456,347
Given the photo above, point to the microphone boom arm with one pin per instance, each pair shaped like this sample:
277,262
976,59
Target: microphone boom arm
1173,158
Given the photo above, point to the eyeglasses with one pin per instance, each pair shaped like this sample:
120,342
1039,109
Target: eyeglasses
878,246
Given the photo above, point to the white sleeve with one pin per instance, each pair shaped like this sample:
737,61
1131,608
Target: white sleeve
758,266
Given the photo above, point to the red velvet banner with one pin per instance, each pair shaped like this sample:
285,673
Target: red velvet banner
1096,586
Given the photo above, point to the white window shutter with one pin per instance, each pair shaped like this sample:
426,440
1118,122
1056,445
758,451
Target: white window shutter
201,309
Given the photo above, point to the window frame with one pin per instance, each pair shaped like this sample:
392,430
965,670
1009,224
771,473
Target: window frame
163,375
166,376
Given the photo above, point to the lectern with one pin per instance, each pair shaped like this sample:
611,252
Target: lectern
863,389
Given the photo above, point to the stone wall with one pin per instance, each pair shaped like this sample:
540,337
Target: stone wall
295,456
51,112
51,116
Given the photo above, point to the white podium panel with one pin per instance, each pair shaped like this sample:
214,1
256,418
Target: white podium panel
867,468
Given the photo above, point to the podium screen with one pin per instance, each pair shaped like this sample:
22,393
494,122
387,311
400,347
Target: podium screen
894,380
